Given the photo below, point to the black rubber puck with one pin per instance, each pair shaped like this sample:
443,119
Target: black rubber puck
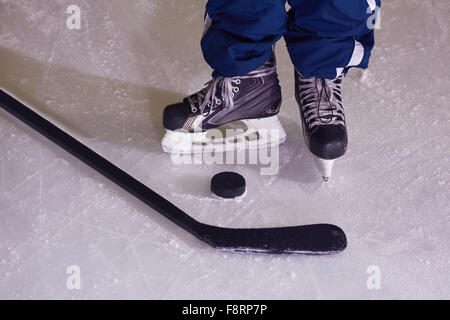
228,185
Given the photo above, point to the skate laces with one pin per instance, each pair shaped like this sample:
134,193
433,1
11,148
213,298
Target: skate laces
220,92
321,101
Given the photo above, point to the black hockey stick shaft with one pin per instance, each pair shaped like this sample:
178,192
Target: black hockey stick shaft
97,162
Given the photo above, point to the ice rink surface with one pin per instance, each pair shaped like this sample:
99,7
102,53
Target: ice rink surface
107,85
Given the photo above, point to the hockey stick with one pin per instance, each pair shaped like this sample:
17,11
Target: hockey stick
311,239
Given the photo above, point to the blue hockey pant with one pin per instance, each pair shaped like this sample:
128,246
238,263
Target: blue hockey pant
324,37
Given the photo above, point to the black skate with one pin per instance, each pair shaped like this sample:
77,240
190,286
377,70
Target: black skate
253,100
323,119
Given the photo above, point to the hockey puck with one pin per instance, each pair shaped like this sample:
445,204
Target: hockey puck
228,185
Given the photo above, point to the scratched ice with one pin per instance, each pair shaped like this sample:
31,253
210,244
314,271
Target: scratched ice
107,85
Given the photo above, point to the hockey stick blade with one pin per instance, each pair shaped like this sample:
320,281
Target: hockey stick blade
311,239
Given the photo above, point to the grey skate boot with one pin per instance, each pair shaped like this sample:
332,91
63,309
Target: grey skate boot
323,119
253,99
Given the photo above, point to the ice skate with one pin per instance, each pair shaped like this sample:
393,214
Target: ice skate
323,119
228,114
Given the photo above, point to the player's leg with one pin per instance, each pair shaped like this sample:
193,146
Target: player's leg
237,44
239,34
325,38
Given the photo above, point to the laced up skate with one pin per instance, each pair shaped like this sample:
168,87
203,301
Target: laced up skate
323,119
227,114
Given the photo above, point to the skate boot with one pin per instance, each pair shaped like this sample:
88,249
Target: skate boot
323,119
245,107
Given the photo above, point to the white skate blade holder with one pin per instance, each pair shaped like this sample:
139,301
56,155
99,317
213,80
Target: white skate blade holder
259,133
325,167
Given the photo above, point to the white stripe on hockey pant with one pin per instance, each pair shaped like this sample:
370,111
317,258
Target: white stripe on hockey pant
208,23
357,56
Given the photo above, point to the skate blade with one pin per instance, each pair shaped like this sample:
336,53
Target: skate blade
325,168
246,135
